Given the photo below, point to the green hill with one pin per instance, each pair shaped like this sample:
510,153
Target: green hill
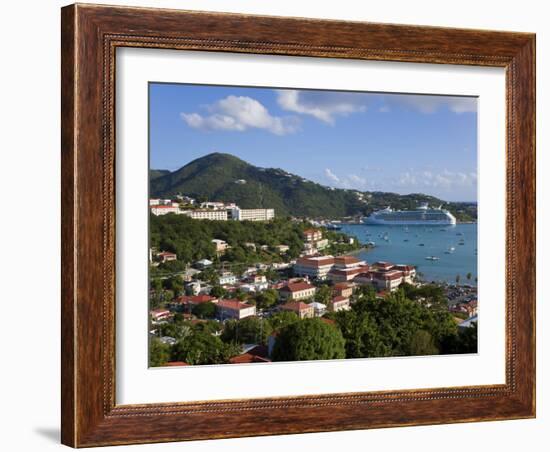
224,177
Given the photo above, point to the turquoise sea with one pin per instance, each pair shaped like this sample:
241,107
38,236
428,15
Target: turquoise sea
403,245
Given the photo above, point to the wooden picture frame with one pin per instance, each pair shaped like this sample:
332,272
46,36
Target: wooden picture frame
90,36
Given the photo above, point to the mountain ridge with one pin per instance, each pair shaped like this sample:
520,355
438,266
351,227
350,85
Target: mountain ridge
227,178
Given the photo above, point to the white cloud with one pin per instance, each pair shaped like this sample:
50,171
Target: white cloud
331,176
239,113
323,105
445,180
431,104
350,181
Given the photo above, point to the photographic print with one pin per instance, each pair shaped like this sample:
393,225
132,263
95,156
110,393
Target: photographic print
298,225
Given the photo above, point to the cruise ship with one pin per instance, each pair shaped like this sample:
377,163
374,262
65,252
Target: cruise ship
423,215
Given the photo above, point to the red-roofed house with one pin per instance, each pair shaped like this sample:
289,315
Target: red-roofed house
247,358
193,300
160,314
234,309
166,256
302,310
340,304
343,289
297,291
387,280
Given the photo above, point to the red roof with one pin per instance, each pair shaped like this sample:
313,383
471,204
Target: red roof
297,287
385,265
296,306
163,206
389,275
311,262
346,260
340,298
343,285
246,358
235,305
195,299
311,231
166,253
175,363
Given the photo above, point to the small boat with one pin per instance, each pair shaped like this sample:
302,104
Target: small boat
420,244
432,258
406,240
373,244
443,230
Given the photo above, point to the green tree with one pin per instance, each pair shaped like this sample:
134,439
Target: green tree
309,339
363,340
457,279
422,344
267,298
468,276
205,310
159,353
250,330
323,294
281,319
202,348
218,291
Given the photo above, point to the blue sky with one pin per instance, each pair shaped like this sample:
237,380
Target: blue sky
366,141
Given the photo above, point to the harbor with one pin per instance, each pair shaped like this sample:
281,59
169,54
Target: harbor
439,253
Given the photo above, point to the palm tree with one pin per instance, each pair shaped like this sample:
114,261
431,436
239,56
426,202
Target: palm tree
457,279
468,276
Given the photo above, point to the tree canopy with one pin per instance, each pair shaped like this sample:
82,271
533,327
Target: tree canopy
309,339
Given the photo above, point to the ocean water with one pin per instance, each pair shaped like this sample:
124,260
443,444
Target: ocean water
403,247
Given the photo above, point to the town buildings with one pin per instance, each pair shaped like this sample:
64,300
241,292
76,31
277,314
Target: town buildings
206,214
227,278
166,256
236,213
340,303
234,309
346,268
301,309
297,291
161,209
314,267
343,289
221,246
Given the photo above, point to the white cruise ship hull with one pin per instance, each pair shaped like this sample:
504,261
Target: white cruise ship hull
373,221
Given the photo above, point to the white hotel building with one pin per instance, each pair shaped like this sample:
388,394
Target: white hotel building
206,214
239,214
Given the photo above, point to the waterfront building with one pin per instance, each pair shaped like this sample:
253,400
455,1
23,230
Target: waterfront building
346,268
297,291
234,309
314,267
